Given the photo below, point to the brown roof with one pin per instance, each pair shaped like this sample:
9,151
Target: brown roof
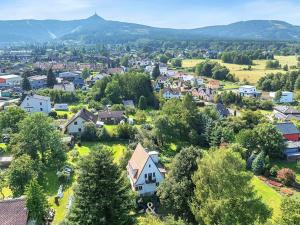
138,160
13,212
84,114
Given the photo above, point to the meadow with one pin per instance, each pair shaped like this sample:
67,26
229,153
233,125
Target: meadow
257,71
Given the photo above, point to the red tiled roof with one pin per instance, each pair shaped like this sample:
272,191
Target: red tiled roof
13,212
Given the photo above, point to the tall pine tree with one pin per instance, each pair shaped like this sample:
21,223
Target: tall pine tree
51,80
155,72
26,84
102,195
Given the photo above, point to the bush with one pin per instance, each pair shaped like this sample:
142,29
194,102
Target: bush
286,176
53,114
103,135
258,165
125,131
90,132
274,170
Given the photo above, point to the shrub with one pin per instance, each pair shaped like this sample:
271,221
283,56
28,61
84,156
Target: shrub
53,114
125,131
103,135
286,176
90,132
274,170
258,165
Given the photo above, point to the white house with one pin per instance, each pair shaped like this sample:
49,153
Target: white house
169,93
248,91
61,107
36,103
11,80
286,97
144,171
76,124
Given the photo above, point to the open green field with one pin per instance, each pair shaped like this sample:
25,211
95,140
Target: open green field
269,196
257,71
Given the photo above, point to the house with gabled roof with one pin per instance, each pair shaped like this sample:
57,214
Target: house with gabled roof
76,124
36,103
144,171
289,131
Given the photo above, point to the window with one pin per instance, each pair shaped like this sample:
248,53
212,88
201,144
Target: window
145,175
79,129
41,103
153,174
157,184
41,109
149,165
140,188
136,188
75,123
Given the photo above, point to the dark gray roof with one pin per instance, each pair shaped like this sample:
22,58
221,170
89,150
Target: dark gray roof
286,109
111,114
84,114
287,128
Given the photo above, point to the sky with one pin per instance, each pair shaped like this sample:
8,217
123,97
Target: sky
158,13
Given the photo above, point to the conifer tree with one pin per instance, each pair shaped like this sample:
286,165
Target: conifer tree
155,72
51,80
26,84
102,195
36,201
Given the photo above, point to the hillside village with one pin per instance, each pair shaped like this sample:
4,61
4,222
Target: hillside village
149,118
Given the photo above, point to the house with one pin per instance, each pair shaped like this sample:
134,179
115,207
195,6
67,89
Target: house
169,93
213,84
207,94
248,91
36,103
76,124
128,103
37,82
61,107
68,87
5,161
11,80
286,97
222,110
144,171
289,131
286,113
292,151
13,212
74,78
111,117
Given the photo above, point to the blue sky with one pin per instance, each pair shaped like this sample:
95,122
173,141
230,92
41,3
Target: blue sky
160,13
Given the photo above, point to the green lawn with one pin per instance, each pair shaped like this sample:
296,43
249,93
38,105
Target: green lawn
269,196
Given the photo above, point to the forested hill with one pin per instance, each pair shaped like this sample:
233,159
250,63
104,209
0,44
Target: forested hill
96,29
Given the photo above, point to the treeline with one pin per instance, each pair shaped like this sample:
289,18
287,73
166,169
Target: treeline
59,96
129,86
245,57
279,81
213,70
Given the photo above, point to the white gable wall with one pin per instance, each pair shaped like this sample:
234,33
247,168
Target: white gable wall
150,188
77,126
33,105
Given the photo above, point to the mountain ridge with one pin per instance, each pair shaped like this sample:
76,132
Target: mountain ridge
97,29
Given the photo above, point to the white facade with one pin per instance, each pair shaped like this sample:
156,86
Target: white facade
170,95
36,103
76,126
12,80
63,107
248,90
286,97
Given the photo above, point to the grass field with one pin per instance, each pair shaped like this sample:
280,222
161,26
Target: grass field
257,71
269,196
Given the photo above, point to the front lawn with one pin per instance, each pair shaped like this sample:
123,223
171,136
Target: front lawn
269,196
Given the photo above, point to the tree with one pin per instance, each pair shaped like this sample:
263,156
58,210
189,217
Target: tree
10,118
124,61
86,73
287,176
155,72
36,201
278,96
20,172
3,182
258,164
176,62
153,220
51,79
40,139
177,190
90,132
113,92
163,59
102,195
224,193
26,84
290,211
142,103
297,84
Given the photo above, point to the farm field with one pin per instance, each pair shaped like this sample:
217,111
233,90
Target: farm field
257,71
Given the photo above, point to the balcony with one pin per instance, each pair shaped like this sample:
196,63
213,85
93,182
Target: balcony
150,181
